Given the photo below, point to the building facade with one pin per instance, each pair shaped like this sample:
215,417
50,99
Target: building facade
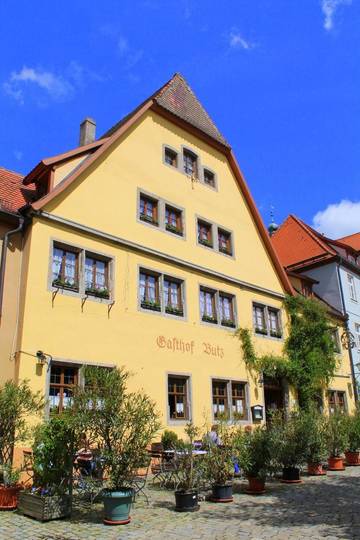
144,249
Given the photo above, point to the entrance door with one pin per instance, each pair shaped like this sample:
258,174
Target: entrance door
274,396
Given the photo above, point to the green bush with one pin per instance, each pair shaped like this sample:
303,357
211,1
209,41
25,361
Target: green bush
252,450
337,433
353,431
316,442
288,439
169,439
189,468
218,465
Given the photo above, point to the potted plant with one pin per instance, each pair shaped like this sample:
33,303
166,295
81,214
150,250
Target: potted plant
253,453
123,424
219,465
209,318
186,496
169,440
54,448
337,439
316,447
10,487
353,429
289,444
17,403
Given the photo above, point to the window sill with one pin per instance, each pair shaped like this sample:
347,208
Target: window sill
149,221
205,245
267,336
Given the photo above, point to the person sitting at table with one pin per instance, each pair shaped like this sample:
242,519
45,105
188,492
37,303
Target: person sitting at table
212,437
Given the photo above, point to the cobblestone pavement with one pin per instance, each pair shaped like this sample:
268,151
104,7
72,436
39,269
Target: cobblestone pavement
320,508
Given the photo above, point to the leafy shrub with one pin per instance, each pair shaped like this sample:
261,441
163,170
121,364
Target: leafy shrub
337,433
218,465
353,430
288,439
189,468
169,439
253,451
315,429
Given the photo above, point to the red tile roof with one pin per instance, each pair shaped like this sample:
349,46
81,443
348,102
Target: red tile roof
353,240
13,195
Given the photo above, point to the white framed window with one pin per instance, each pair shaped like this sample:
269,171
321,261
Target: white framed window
229,400
267,321
352,290
217,307
161,293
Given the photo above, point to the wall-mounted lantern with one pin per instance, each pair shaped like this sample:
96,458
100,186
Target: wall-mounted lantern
42,358
257,412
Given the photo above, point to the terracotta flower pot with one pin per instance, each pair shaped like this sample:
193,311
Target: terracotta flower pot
336,464
256,486
9,497
291,475
352,458
315,469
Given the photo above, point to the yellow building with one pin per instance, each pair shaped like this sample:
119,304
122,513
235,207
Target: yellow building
145,250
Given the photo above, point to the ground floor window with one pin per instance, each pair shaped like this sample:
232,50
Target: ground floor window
336,401
229,400
63,380
178,397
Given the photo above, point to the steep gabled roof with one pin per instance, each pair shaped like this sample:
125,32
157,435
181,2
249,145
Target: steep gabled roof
353,240
13,195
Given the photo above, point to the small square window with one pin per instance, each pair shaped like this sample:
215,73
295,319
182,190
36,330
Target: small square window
224,238
171,157
209,178
226,308
205,234
238,401
65,268
173,297
96,276
220,399
259,319
63,381
178,398
336,401
173,220
148,210
190,161
149,288
208,306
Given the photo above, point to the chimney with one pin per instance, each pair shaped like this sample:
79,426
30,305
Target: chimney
87,131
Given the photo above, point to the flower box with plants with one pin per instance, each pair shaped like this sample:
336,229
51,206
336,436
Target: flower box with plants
316,443
225,250
254,456
206,243
353,428
171,310
65,284
209,319
337,440
219,465
148,219
173,229
153,306
274,334
261,331
56,442
17,403
228,322
123,423
189,472
100,292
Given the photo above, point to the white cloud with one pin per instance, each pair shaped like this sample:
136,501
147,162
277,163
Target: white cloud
236,41
18,155
339,219
329,8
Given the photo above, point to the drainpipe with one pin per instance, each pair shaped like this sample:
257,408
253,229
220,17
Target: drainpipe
5,244
347,329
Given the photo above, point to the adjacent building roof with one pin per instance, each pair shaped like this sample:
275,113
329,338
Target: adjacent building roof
353,240
13,195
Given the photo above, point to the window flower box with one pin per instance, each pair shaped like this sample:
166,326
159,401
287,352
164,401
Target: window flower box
261,331
153,306
224,250
173,229
206,243
64,284
228,322
276,334
148,219
174,311
209,319
101,292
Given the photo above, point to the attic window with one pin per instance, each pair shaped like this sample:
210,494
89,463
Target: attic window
209,178
190,161
171,157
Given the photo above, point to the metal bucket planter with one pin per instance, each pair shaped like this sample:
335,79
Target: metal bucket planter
117,506
291,475
352,458
315,469
222,493
336,464
9,497
44,508
256,486
186,501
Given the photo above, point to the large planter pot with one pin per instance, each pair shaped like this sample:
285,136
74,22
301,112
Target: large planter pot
117,505
186,501
291,475
352,458
315,469
9,497
44,508
256,486
336,464
222,493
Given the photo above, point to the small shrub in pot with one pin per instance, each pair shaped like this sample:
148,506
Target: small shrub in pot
189,472
337,439
253,453
316,444
353,447
169,440
219,463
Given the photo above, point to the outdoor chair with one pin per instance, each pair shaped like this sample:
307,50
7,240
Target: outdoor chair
139,481
27,467
164,468
89,480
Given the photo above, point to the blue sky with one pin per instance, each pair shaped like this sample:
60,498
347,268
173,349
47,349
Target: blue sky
279,77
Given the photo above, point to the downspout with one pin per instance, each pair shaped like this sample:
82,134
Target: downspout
347,329
4,248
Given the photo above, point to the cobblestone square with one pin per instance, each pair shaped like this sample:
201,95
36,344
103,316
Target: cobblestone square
319,508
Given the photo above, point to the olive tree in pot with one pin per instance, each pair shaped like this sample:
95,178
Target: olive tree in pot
219,465
123,424
289,444
316,444
189,472
337,440
17,404
55,444
353,430
253,452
